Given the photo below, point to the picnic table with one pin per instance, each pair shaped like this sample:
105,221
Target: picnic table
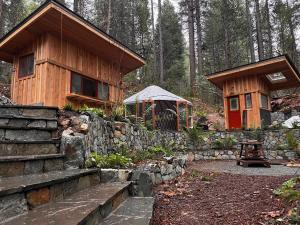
252,153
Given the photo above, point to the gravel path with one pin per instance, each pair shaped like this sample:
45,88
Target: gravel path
231,167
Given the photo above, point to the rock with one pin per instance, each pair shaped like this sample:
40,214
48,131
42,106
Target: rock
65,122
38,124
5,101
143,183
12,205
38,197
68,132
117,134
84,128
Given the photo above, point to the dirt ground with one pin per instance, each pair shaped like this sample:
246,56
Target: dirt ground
213,198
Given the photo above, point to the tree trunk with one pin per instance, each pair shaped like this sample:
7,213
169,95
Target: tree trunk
161,57
190,8
269,30
199,34
250,32
2,18
153,39
258,31
292,33
108,17
75,5
227,36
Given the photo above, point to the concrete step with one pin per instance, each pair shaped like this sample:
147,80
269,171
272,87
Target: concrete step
29,148
27,134
133,211
30,164
28,111
21,194
86,207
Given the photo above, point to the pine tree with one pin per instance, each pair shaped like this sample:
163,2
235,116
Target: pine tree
173,47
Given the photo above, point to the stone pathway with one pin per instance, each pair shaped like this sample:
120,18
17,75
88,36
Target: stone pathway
134,211
229,166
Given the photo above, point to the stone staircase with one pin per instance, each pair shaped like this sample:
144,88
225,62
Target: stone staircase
36,189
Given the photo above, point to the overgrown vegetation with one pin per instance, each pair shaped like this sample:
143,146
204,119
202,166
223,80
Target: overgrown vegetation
114,160
118,112
225,143
290,192
68,107
98,111
123,157
197,135
292,142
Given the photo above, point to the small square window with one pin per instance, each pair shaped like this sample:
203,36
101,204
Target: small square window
26,65
248,101
234,104
103,91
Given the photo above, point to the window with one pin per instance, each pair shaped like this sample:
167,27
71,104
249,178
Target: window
103,91
248,101
264,101
234,104
26,64
276,77
89,87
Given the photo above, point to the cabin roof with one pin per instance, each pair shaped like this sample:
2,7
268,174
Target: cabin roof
278,72
55,18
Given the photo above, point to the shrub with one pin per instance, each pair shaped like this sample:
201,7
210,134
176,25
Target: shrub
196,134
118,113
292,142
160,151
68,107
225,143
289,190
98,111
114,160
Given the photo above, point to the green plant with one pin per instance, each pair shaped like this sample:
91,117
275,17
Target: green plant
225,143
292,142
160,150
114,160
118,112
98,111
196,134
200,113
68,107
289,190
218,144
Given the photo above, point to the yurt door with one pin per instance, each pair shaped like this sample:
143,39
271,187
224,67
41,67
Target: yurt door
234,113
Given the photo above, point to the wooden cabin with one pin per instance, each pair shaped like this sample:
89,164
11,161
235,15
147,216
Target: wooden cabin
247,90
59,58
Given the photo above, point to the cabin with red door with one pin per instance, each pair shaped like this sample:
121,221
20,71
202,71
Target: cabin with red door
247,90
59,58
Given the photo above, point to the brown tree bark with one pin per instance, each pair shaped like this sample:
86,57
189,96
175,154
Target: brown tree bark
1,18
199,35
108,16
153,39
161,56
269,30
250,32
259,31
191,22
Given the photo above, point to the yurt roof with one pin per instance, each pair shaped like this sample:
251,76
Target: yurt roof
154,93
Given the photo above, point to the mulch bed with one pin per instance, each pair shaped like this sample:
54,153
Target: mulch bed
221,199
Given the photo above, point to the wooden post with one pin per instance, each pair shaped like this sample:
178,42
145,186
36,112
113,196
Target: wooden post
178,116
153,114
187,115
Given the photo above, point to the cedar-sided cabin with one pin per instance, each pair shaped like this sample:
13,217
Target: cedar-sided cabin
247,90
59,58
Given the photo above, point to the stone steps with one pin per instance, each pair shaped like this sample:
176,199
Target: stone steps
21,194
22,148
133,211
28,111
30,164
86,207
27,134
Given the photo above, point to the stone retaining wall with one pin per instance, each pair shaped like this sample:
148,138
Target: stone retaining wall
106,136
148,174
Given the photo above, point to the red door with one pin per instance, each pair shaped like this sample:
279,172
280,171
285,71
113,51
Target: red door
234,113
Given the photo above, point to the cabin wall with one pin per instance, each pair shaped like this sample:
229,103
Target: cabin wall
55,59
240,87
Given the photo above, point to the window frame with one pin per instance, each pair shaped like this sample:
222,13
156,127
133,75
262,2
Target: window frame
238,104
24,76
245,96
261,102
73,73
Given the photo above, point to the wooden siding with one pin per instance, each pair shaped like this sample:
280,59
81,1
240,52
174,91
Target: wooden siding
239,87
55,59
